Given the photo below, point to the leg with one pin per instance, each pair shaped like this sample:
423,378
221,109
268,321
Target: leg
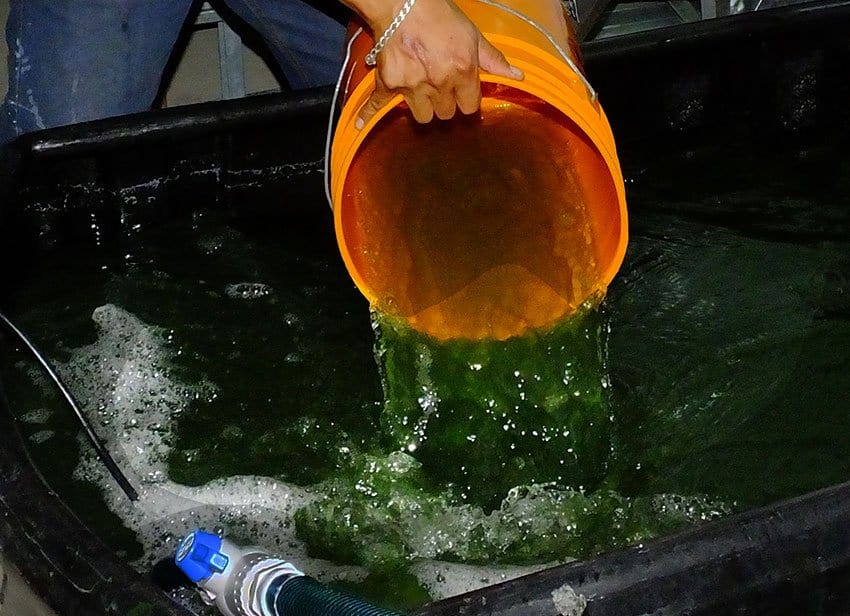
77,60
306,42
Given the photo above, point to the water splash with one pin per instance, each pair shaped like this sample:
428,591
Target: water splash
486,416
379,511
502,452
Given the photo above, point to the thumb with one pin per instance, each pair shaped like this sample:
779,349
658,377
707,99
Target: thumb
493,61
380,97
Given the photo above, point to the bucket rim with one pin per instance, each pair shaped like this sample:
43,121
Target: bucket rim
547,78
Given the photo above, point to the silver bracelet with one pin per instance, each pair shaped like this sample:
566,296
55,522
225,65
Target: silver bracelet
372,56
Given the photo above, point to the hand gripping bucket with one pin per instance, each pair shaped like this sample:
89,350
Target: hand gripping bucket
486,226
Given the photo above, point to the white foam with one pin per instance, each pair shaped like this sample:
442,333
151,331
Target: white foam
38,377
126,377
248,290
36,416
445,580
126,383
42,436
568,602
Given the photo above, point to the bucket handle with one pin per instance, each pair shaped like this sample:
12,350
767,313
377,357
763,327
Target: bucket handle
561,51
334,101
498,5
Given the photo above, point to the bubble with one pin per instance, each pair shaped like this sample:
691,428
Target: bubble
248,290
42,436
36,416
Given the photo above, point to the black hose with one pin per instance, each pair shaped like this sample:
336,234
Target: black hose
304,596
101,451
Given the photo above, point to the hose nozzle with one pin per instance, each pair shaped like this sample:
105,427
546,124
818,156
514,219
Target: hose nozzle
251,582
234,579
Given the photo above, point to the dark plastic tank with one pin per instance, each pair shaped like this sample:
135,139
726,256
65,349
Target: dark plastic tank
777,77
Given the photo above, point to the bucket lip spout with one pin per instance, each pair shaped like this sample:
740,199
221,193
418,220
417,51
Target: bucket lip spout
547,78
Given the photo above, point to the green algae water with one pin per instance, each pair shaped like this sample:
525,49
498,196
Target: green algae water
500,455
234,371
483,417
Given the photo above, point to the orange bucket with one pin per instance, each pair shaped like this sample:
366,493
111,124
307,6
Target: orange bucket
491,225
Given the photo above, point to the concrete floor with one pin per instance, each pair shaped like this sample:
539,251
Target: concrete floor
197,76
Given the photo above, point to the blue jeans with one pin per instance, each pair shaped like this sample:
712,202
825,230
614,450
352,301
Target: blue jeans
77,60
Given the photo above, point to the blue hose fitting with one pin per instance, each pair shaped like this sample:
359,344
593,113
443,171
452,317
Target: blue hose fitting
199,556
251,582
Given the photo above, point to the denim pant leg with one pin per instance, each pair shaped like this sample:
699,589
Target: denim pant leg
306,42
77,60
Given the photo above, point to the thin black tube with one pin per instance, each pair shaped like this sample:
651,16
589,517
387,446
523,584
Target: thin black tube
101,451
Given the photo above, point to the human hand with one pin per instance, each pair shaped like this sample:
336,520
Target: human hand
433,60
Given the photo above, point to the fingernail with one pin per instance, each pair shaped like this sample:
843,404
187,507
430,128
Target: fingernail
359,123
518,74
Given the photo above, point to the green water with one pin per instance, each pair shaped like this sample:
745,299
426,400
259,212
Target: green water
485,417
501,455
714,378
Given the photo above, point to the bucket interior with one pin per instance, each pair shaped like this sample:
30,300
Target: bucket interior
484,227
